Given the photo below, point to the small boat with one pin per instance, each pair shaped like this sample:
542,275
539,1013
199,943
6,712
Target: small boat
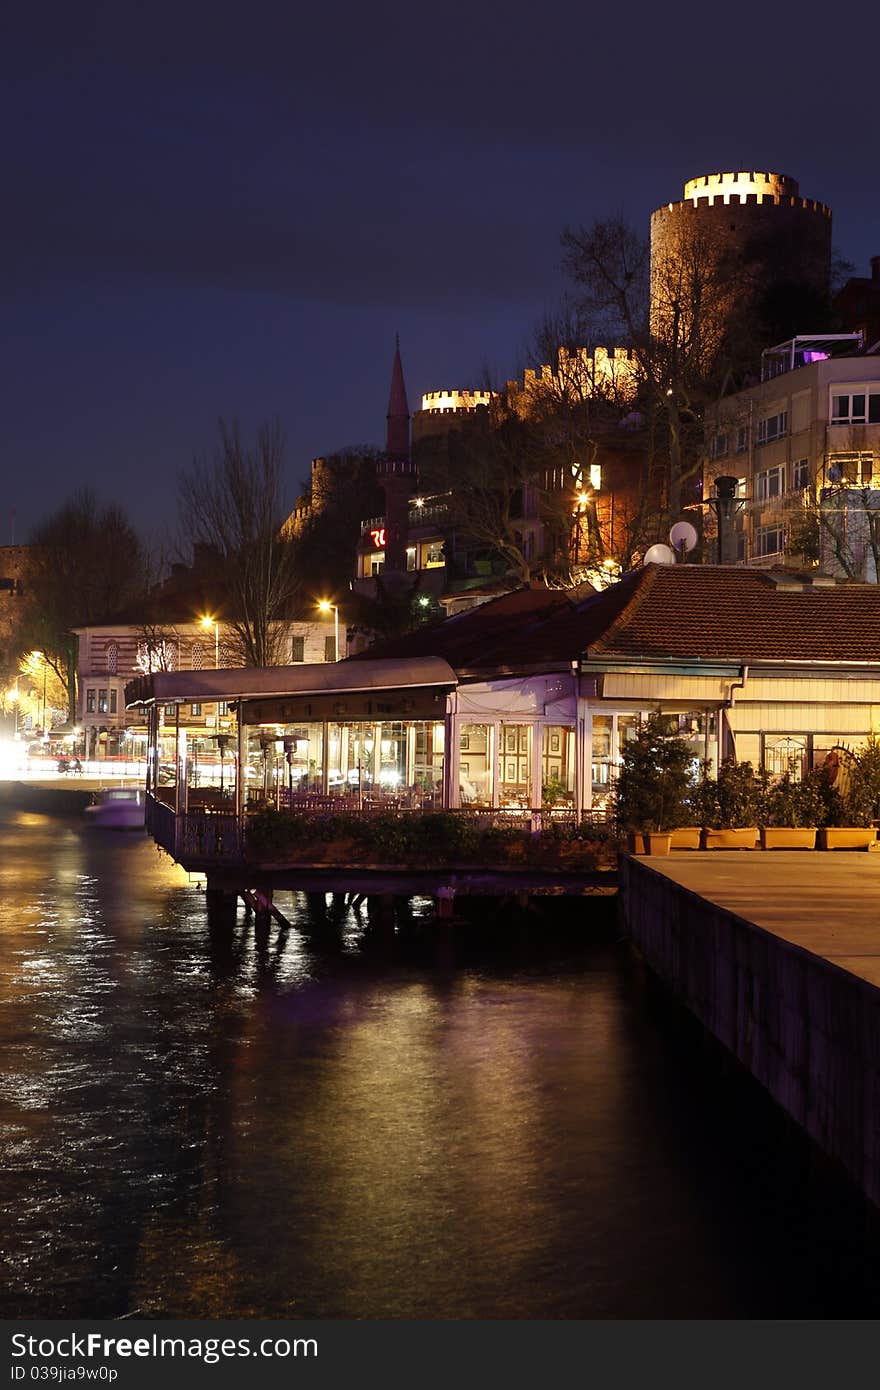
117,808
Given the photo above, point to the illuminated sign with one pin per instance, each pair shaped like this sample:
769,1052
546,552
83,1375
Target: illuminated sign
379,537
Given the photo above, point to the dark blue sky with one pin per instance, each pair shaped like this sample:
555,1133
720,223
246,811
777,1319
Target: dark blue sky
229,209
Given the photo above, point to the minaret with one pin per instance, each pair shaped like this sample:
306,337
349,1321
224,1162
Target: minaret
397,434
395,473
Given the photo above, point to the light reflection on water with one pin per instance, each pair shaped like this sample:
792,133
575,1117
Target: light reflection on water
209,1124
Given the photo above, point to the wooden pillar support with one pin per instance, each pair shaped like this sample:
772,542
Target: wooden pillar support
445,904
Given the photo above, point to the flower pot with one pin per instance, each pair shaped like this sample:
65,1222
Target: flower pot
847,836
635,842
658,841
788,837
745,837
686,837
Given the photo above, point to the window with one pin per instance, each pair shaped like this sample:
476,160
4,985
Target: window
112,657
222,708
329,648
410,557
852,467
90,702
198,656
297,649
102,701
195,708
856,408
773,427
770,483
742,439
434,555
800,474
376,562
768,540
113,695
169,711
718,446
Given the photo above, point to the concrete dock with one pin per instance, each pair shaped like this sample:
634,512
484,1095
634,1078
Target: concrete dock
778,954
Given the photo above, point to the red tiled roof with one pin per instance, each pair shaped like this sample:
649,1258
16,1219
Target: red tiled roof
722,613
676,613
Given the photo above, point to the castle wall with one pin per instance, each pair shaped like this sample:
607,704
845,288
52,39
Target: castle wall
756,218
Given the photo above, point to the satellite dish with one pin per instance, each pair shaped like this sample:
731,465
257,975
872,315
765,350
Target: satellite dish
659,555
683,536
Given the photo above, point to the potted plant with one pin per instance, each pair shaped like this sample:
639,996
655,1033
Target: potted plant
851,801
732,806
653,785
793,812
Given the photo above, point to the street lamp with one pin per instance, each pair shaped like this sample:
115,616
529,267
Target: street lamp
212,623
325,606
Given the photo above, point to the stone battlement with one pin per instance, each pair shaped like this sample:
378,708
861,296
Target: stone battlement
750,187
456,400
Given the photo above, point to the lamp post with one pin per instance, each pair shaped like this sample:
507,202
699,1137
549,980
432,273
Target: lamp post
212,623
325,606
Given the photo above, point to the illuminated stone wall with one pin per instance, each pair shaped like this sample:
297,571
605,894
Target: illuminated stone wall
757,219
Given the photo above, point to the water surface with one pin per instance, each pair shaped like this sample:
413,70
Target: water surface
200,1123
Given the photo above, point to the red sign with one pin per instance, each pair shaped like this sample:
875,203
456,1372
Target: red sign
379,537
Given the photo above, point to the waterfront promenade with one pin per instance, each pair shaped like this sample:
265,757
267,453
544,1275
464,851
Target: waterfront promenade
825,903
778,954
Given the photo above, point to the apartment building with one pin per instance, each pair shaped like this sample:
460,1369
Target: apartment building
804,447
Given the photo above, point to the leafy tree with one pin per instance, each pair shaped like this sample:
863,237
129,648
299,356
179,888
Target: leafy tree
655,779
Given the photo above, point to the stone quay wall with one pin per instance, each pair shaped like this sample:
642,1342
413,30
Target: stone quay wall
807,1030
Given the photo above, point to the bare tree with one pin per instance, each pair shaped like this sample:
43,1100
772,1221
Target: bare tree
675,314
86,563
234,505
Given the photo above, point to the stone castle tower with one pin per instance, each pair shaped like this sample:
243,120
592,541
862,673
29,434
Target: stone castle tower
757,222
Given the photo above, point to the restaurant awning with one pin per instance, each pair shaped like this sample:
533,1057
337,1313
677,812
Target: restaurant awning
410,687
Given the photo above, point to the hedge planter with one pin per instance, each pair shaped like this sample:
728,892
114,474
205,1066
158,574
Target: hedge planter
788,837
635,842
686,837
745,837
657,841
847,837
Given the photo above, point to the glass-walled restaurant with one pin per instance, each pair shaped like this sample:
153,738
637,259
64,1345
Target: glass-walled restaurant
345,734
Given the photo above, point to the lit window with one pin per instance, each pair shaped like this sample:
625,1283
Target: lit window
102,701
113,695
855,467
742,439
770,483
90,702
196,709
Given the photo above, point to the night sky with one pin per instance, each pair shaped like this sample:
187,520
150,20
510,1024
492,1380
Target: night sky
230,209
